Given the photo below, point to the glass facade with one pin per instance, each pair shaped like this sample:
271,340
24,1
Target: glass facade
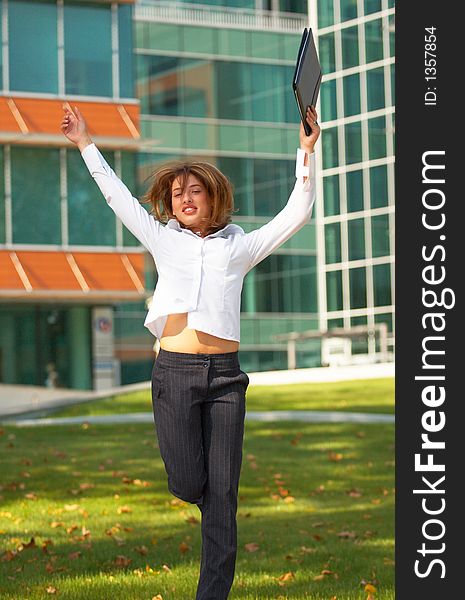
357,49
91,66
32,41
219,93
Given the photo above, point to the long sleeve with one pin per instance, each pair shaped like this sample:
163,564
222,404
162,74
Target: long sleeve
142,225
263,241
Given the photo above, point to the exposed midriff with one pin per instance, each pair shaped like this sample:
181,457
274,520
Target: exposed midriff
177,337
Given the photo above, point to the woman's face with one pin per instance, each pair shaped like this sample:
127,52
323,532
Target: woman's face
192,206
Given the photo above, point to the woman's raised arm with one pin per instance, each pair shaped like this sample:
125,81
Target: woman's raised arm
142,225
297,212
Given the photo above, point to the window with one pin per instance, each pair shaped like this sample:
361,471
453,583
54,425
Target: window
382,284
272,184
88,55
330,148
326,53
90,220
286,283
349,47
374,40
377,137
32,32
392,35
378,186
325,13
372,6
35,192
128,175
2,197
348,9
331,195
328,100
358,287
393,85
125,51
333,242
334,290
354,187
375,88
351,95
353,139
380,235
356,233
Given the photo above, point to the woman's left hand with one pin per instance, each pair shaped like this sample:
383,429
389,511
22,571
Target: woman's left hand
307,142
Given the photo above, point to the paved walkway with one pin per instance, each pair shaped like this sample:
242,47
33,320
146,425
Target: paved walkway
28,400
314,416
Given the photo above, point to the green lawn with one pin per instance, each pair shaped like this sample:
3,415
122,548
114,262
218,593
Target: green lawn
368,395
316,508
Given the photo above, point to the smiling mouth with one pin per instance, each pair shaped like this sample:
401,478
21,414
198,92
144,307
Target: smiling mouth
189,210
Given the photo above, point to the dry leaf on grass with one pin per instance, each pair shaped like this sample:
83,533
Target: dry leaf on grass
183,547
252,547
335,456
347,534
122,561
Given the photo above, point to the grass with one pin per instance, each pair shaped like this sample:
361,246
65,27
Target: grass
317,500
370,395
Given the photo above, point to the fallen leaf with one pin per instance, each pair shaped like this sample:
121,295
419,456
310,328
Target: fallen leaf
370,588
286,576
26,545
192,520
86,486
143,550
335,456
252,547
183,547
347,534
45,545
354,493
71,528
124,509
122,561
305,550
51,590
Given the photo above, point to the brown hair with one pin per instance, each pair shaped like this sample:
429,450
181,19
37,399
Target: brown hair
219,190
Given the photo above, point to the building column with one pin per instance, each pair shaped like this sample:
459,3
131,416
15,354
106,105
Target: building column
79,347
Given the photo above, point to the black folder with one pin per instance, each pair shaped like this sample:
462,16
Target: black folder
307,76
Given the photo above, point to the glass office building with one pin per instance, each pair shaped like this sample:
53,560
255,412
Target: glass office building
356,196
161,80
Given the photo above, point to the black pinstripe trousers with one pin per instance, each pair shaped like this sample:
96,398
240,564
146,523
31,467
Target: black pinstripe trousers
199,411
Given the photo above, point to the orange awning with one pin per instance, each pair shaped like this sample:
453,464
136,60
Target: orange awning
76,276
38,120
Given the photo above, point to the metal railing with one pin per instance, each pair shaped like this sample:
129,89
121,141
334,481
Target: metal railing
215,16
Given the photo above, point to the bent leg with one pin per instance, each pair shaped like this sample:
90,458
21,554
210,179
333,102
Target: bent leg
177,416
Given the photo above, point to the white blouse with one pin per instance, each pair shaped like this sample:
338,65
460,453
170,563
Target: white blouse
202,276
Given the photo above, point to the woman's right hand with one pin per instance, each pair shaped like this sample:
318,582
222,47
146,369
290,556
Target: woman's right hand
74,127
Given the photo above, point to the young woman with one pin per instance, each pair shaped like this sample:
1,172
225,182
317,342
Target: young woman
198,387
